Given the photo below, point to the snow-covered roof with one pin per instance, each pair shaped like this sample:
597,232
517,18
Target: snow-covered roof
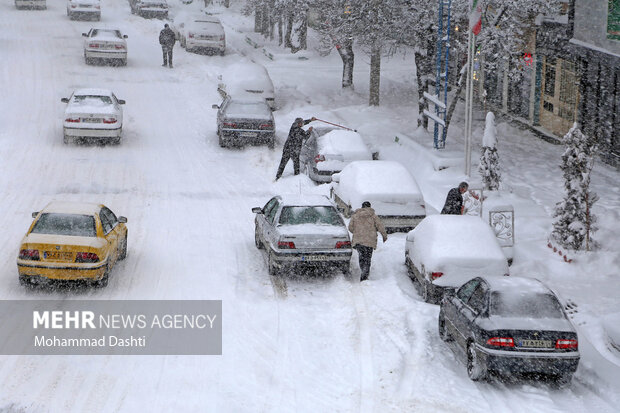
349,144
303,200
247,76
92,92
520,284
109,34
82,208
381,180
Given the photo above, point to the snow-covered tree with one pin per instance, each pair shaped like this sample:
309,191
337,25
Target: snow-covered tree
574,221
489,159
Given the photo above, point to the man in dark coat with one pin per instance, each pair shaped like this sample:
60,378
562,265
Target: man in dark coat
166,40
292,146
454,200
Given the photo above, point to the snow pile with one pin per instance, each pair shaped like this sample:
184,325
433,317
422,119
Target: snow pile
349,144
461,247
247,77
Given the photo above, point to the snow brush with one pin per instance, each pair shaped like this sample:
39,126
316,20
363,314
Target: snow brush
335,124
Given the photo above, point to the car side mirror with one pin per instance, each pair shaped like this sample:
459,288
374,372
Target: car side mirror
257,210
34,214
121,102
124,36
122,220
215,106
336,177
85,34
64,100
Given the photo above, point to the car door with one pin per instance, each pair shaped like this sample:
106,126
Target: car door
308,150
271,235
455,313
110,236
222,112
261,220
474,308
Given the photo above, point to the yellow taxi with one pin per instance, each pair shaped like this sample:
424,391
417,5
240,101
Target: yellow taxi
72,241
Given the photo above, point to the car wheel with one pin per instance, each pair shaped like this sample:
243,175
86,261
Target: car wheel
24,280
65,139
221,140
475,370
443,333
103,282
123,62
222,53
271,143
116,141
123,250
257,240
346,269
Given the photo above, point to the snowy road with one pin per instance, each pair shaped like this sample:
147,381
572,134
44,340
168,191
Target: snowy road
329,345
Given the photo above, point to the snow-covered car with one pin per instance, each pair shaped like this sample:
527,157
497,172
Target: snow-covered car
72,241
149,8
84,9
327,151
387,185
244,120
30,4
105,45
203,35
94,114
510,326
444,251
247,78
302,231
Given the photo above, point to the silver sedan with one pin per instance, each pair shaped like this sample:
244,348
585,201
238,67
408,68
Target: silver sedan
304,231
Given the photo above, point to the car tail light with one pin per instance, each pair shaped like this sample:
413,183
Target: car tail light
86,257
435,275
73,6
222,37
229,124
26,254
266,126
97,6
73,120
501,342
286,245
109,120
319,158
343,244
119,46
566,344
190,35
93,45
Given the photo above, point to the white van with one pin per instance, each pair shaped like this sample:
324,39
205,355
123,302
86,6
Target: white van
247,79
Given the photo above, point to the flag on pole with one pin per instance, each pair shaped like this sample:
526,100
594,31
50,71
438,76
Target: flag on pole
475,16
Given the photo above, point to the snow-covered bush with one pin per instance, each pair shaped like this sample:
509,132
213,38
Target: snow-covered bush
574,221
489,159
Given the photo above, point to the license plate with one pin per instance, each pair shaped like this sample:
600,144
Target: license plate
57,255
247,134
314,258
535,343
91,120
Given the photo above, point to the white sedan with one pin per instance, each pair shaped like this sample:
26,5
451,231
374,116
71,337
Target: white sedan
387,185
94,114
86,9
203,34
105,44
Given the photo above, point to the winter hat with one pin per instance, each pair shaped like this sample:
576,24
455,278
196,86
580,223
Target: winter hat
166,25
298,120
365,204
463,185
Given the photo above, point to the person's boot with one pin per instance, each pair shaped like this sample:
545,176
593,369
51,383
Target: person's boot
165,64
170,66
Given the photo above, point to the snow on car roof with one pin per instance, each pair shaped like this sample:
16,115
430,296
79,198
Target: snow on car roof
92,92
457,242
379,179
343,142
243,76
520,284
303,200
108,33
63,207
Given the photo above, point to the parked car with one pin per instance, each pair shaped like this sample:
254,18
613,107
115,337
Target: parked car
72,241
387,185
149,8
444,251
30,4
329,150
244,120
84,9
93,114
105,45
510,325
247,78
204,34
302,231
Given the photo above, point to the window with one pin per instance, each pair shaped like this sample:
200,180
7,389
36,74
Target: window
108,219
613,20
478,300
525,304
320,215
549,78
466,290
65,224
273,210
548,106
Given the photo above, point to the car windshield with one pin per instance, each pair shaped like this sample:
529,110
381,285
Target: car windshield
247,107
65,224
92,99
532,305
321,215
96,32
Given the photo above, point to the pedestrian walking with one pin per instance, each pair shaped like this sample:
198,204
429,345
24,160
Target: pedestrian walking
364,226
454,200
292,146
166,40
